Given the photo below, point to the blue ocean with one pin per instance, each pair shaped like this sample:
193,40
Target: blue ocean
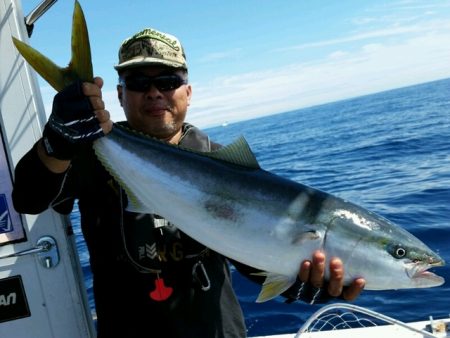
388,152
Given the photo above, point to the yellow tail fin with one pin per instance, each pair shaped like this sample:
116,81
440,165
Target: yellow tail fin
80,65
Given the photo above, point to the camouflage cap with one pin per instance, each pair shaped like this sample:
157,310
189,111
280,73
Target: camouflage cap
151,47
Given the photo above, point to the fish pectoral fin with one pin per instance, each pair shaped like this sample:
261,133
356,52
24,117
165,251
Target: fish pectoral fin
274,285
310,235
134,205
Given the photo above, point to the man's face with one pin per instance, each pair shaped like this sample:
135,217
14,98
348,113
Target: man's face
156,112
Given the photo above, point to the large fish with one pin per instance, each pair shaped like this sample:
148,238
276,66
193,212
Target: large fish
227,202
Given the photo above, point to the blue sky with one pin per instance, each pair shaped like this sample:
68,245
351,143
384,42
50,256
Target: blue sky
250,58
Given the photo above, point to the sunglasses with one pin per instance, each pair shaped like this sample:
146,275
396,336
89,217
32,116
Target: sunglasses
142,83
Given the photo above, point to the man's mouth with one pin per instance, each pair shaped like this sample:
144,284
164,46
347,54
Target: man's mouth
156,110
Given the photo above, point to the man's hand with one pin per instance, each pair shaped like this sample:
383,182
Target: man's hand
78,117
313,272
93,91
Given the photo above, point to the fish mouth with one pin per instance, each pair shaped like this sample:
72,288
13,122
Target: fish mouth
418,272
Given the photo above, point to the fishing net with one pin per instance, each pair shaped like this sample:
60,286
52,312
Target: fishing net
341,317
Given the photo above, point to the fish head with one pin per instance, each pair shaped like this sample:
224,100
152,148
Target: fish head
415,260
396,260
386,255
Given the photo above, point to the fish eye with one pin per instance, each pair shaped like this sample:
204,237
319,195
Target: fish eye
399,252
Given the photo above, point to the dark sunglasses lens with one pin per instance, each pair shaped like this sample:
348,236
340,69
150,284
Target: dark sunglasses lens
169,82
162,83
137,83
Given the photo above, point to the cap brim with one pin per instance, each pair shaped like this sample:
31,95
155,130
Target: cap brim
146,61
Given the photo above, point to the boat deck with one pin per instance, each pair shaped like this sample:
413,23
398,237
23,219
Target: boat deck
350,321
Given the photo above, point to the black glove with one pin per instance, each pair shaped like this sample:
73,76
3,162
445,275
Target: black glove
71,124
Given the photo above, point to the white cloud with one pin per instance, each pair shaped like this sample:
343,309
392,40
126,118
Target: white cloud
338,54
377,33
229,54
372,68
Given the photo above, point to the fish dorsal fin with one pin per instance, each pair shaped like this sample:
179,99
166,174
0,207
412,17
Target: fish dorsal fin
238,152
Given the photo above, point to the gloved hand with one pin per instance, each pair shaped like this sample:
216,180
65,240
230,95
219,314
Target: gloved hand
71,124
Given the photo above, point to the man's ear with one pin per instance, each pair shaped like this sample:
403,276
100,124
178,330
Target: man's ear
189,94
119,94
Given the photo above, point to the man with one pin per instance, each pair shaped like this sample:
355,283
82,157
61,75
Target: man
148,276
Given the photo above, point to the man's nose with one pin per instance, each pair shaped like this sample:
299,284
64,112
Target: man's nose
153,91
